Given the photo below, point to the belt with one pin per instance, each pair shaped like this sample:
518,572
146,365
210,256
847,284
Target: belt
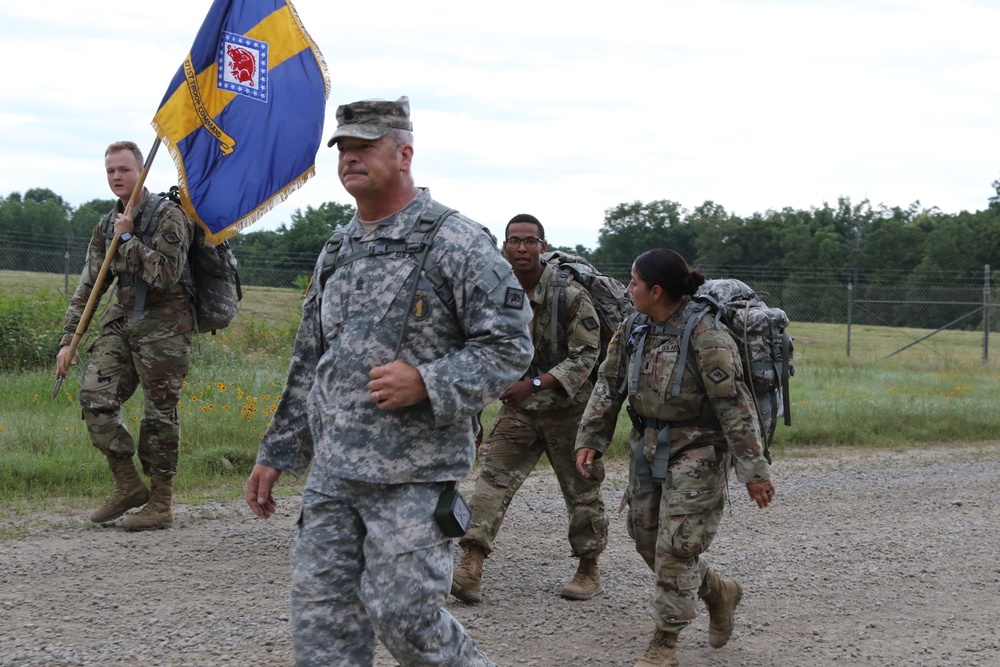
661,459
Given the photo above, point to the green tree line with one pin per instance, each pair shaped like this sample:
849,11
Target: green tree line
853,242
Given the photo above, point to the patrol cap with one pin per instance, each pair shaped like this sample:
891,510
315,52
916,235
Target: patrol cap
371,119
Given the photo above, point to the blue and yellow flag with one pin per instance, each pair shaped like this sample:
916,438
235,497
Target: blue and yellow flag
243,116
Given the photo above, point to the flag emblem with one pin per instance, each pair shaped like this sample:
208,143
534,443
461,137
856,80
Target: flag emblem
243,66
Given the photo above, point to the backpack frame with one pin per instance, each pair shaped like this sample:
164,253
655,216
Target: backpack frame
610,298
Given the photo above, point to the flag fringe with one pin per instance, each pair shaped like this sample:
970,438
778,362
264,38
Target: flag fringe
312,47
215,238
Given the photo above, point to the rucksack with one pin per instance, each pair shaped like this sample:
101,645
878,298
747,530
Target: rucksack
210,273
611,299
764,345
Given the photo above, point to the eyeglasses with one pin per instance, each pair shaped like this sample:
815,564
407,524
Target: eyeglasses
529,242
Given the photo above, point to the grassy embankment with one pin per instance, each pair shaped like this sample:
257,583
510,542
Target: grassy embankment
923,395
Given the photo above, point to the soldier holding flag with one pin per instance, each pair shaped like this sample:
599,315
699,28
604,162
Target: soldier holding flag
145,340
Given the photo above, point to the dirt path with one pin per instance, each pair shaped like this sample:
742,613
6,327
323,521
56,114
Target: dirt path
866,558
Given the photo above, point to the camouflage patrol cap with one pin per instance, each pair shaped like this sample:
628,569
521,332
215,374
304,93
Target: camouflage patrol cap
371,119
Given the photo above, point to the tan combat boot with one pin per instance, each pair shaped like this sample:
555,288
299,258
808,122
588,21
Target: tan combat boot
129,491
586,583
662,651
156,514
467,580
721,598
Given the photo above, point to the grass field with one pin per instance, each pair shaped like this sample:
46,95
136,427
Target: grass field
937,391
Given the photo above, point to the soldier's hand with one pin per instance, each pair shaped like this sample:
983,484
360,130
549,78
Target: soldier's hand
259,487
123,223
761,493
396,385
63,362
585,460
517,393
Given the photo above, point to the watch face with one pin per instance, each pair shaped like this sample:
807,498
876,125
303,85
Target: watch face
536,383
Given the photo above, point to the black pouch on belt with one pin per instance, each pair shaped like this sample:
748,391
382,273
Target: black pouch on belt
452,512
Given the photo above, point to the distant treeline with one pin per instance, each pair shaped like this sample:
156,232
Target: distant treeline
847,242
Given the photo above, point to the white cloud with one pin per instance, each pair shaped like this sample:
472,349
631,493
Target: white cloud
565,111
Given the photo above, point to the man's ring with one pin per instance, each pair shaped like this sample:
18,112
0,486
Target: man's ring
376,396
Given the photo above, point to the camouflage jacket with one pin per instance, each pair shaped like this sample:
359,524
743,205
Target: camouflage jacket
466,358
168,309
579,339
721,390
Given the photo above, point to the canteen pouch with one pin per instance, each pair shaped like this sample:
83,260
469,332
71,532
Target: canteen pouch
452,512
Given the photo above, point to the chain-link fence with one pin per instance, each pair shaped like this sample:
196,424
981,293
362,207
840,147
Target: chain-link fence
960,309
69,258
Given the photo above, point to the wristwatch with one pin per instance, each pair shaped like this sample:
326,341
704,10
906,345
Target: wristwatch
536,384
126,236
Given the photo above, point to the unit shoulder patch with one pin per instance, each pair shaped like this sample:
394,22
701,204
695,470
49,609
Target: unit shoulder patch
514,298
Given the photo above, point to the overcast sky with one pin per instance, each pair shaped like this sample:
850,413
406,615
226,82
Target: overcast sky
561,109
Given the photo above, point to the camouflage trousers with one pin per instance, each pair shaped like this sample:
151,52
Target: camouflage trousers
117,366
512,451
673,525
369,561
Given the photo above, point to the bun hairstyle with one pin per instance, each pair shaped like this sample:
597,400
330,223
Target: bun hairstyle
669,270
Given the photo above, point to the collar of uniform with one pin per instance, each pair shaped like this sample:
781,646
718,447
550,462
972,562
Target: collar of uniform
537,295
679,316
139,205
397,225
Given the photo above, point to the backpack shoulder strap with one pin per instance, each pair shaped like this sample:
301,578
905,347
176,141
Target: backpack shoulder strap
146,224
636,328
696,310
330,252
557,306
417,240
426,228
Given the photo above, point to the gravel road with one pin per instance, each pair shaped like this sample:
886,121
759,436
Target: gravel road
885,558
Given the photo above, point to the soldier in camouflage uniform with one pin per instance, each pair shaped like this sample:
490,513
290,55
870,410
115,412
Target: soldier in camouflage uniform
387,422
540,414
145,340
683,445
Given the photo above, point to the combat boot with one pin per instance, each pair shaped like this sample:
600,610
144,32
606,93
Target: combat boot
156,514
467,580
586,583
662,651
721,597
129,491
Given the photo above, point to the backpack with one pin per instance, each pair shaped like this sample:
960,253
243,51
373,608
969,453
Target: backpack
611,300
762,340
210,273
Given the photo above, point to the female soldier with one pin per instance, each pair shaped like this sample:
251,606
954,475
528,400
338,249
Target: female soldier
684,440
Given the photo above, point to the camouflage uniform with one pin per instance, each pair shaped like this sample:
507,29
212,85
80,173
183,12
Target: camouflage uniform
547,422
674,522
369,560
153,352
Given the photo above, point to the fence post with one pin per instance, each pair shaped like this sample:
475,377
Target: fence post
850,308
66,270
986,314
